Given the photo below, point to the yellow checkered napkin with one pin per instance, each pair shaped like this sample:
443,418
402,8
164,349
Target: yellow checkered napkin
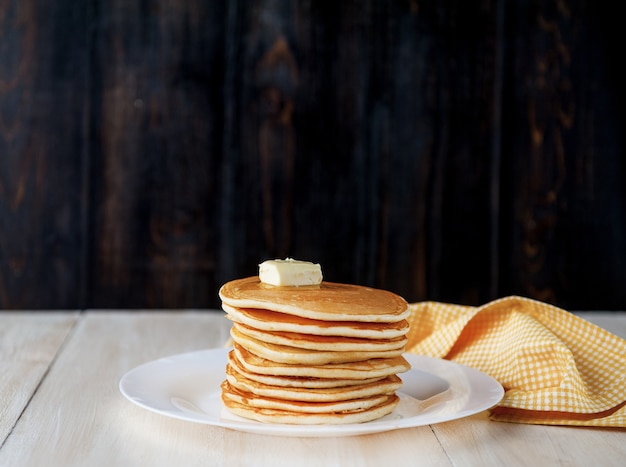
556,368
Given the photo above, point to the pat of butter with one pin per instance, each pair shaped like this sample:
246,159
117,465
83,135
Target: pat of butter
290,272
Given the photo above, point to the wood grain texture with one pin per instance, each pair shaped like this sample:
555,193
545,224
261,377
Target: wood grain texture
483,442
85,421
150,151
77,417
156,132
28,345
566,197
42,97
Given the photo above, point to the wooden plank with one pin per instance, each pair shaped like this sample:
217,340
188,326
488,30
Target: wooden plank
362,149
406,447
157,127
78,416
43,78
476,441
28,345
564,226
461,66
150,151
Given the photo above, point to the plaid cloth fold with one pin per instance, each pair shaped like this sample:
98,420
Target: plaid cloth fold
556,368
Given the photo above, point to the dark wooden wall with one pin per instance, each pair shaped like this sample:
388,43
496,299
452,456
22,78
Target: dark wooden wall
446,150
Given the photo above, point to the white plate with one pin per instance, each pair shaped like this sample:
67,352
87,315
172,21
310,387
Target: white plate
187,387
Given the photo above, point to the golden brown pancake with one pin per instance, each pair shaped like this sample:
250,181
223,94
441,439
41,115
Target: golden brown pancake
295,381
311,342
300,418
312,354
327,301
385,386
372,368
268,320
295,355
254,400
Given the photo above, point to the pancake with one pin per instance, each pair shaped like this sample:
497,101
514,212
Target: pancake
327,301
385,386
311,342
308,351
295,381
372,368
253,400
295,355
268,320
299,418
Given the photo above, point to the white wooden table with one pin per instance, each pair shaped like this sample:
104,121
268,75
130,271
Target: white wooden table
60,406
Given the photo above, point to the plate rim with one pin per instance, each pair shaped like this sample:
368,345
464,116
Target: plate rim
492,397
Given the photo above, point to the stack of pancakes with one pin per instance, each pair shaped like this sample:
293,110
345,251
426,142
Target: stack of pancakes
319,354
